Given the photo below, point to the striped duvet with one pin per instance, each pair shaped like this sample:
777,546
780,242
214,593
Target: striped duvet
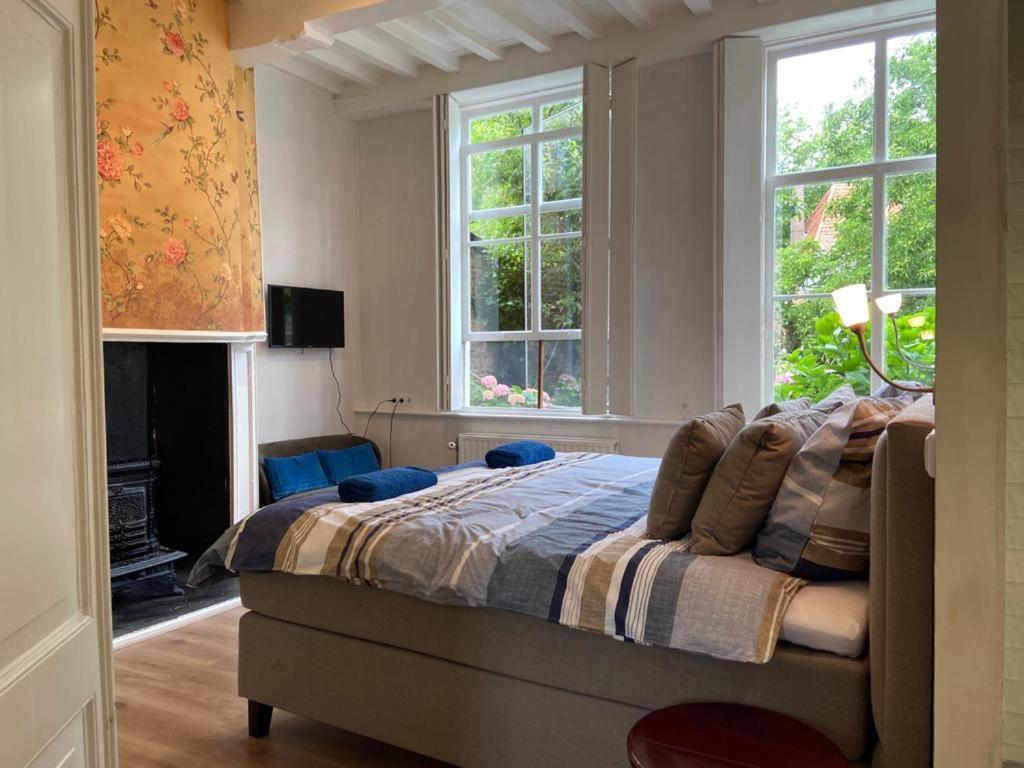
563,541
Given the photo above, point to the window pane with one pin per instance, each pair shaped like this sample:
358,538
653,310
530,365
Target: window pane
910,230
500,178
814,354
912,95
500,126
564,114
562,169
561,292
822,236
824,108
499,228
500,287
557,222
503,374
910,347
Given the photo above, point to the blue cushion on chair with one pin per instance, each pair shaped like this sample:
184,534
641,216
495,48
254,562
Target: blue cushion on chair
357,460
294,474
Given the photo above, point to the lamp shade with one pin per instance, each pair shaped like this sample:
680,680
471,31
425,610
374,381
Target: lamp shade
852,304
890,303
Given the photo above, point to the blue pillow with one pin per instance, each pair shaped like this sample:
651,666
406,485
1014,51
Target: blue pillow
357,460
519,454
385,484
294,474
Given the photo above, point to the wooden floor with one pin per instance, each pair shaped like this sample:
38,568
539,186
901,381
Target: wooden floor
177,707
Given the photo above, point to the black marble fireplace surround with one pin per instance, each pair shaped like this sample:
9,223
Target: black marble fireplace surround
168,460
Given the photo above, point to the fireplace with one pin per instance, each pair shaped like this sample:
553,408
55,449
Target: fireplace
136,553
169,456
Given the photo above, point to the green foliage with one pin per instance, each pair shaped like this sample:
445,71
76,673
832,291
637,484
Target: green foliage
813,353
831,356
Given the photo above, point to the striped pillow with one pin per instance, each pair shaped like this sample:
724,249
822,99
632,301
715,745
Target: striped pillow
818,526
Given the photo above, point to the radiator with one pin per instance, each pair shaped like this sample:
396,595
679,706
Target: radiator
475,445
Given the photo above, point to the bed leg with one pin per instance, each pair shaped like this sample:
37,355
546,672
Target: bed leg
259,719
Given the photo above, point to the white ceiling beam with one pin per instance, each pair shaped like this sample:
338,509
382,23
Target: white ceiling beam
466,36
260,22
637,12
700,7
371,47
348,66
420,46
578,19
295,64
523,29
320,44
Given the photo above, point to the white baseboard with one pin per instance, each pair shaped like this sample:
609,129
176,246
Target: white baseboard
176,623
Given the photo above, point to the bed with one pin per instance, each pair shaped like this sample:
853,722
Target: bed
479,686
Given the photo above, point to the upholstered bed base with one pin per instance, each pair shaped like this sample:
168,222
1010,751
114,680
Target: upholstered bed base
462,684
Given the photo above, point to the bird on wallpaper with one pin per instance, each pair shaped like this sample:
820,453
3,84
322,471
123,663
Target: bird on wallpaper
152,5
240,115
234,177
164,133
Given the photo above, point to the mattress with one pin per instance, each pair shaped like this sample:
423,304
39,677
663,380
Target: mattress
829,616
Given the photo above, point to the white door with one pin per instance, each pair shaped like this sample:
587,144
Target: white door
56,681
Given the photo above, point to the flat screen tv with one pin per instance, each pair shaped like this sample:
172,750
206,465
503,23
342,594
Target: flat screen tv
305,318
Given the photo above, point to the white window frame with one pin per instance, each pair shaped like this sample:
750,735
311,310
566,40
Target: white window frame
877,170
535,101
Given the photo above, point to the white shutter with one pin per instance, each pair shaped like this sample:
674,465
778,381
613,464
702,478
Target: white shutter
743,315
623,238
596,164
442,180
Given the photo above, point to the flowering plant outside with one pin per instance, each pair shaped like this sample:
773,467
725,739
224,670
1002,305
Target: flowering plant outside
488,392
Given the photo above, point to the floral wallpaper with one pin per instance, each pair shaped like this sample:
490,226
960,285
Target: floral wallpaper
176,159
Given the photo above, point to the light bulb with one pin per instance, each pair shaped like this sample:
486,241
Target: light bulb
889,303
852,304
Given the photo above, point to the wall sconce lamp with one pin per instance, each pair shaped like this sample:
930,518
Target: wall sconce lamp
852,305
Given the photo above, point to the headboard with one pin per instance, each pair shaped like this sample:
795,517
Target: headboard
902,591
304,445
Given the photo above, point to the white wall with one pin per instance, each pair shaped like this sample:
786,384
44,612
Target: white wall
674,277
308,208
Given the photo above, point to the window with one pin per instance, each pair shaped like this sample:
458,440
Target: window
850,193
521,193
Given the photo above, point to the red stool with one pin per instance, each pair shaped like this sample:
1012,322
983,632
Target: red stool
715,735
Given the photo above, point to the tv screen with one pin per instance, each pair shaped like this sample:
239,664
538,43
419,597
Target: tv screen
305,317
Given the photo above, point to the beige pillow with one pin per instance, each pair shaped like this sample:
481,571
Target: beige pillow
690,458
784,406
743,486
842,395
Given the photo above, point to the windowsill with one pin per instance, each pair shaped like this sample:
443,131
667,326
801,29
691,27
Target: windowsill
531,415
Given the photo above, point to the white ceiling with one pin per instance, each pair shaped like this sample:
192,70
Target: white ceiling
356,49
377,54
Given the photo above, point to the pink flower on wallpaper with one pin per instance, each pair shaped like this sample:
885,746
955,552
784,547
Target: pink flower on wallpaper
109,162
179,110
175,251
502,390
174,43
489,382
137,149
168,85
